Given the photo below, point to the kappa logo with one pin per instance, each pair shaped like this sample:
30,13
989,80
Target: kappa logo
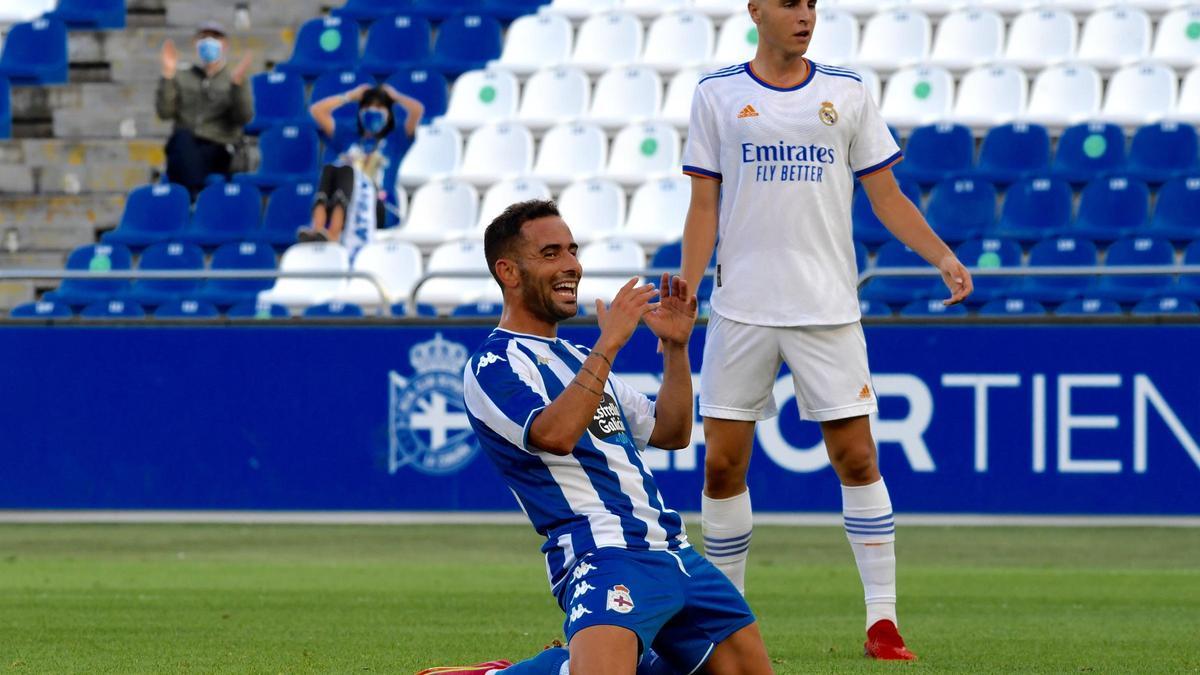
748,111
581,590
864,393
487,360
581,571
619,600
577,613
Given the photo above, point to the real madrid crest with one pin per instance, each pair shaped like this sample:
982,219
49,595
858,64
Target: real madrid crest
427,417
828,114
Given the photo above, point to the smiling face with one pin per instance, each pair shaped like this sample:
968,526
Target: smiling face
545,278
785,25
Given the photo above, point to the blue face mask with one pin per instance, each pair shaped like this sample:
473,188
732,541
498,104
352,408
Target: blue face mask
373,120
208,50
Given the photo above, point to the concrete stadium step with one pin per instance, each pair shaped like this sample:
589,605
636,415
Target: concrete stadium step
133,54
95,211
112,123
65,179
81,153
188,13
31,103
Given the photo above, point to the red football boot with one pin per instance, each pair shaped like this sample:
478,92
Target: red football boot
884,643
477,669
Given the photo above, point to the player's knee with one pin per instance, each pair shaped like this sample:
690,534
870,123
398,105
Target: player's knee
857,465
723,472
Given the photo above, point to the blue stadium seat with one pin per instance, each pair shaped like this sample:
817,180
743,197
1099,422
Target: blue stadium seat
170,256
1035,208
334,310
860,256
1012,307
932,308
1165,305
478,309
289,155
1176,209
1189,284
1160,152
507,10
113,309
899,290
1111,208
1088,307
961,208
1058,252
244,256
93,258
874,308
867,227
465,42
1014,151
153,213
370,10
991,254
44,309
1089,151
256,310
670,256
225,212
5,109
35,53
322,45
427,86
278,101
937,152
90,14
400,309
186,309
1140,251
289,208
397,43
339,82
440,10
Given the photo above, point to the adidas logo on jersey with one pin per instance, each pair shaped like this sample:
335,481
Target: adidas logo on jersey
748,111
864,393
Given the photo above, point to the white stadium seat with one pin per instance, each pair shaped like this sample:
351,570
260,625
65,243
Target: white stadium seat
593,208
930,7
607,40
989,96
464,255
836,39
895,38
1064,95
612,255
1188,108
720,9
677,105
1140,94
571,151
436,151
1006,7
495,151
580,9
918,96
1114,36
626,94
641,150
553,96
535,41
1177,42
482,96
506,193
861,7
871,81
649,9
737,41
303,292
19,11
679,40
1042,37
441,210
658,209
968,38
396,264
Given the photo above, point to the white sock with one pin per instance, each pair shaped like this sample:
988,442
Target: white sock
727,525
871,529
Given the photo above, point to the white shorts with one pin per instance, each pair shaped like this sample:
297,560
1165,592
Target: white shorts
828,364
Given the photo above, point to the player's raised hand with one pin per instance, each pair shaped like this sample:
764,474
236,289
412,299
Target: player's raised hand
672,317
619,319
957,279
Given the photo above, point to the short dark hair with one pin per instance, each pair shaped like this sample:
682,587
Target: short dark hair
373,96
503,232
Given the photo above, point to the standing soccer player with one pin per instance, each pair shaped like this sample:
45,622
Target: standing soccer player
774,147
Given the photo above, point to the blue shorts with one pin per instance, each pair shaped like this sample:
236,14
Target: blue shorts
678,603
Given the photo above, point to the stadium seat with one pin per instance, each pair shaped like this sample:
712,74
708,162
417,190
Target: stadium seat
481,97
874,308
991,95
257,310
507,192
1042,37
937,152
607,39
678,40
478,309
289,155
718,9
457,257
396,264
1176,43
112,310
1058,252
990,254
401,309
1111,208
225,212
899,290
153,213
968,38
437,151
611,255
1064,95
1176,209
288,209
836,43
89,14
554,96
1013,307
495,151
931,309
441,210
1140,94
657,210
297,292
16,11
1165,305
186,309
93,258
918,95
1139,251
508,10
168,257
642,150
427,86
1160,152
581,9
323,45
5,109
1189,284
336,83
333,310
1034,209
243,256
465,42
570,151
42,309
278,100
626,94
867,227
895,38
1014,151
1089,151
35,53
737,41
650,9
961,208
593,208
1114,36
371,10
677,104
536,41
1088,307
397,43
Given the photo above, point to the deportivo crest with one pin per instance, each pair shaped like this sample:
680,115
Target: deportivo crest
828,114
427,418
619,600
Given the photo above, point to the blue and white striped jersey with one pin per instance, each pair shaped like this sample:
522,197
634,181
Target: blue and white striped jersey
602,494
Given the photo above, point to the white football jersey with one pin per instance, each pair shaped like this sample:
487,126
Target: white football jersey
787,158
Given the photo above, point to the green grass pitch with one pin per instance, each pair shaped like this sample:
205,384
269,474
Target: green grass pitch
293,599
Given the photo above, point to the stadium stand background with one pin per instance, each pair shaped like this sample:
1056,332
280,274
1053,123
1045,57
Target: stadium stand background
1056,133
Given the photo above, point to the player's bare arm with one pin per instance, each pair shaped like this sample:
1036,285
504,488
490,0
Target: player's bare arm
671,320
902,218
700,229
